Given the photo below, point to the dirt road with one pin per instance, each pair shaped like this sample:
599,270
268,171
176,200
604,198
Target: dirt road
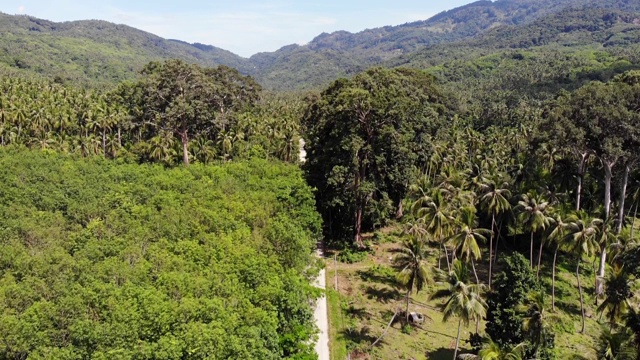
320,313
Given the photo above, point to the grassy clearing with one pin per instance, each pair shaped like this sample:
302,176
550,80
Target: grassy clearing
370,297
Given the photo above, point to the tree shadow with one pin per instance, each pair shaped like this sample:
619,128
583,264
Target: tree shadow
359,313
371,276
440,354
359,337
381,294
572,308
560,293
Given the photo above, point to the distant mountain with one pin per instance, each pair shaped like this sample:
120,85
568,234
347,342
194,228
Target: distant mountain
95,53
598,28
342,53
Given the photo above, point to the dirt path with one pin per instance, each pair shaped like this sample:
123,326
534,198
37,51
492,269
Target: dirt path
320,313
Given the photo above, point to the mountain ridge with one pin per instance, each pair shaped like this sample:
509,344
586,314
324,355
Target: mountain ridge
100,52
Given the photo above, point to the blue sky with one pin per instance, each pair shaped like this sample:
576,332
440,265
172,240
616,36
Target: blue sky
244,27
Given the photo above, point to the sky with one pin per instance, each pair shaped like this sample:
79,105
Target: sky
244,27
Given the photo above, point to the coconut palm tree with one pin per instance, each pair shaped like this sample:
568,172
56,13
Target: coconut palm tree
493,351
607,237
533,210
464,301
616,345
618,292
581,239
414,270
435,214
632,321
535,322
465,240
494,201
557,236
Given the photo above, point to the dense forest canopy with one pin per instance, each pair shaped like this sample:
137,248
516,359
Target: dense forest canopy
105,260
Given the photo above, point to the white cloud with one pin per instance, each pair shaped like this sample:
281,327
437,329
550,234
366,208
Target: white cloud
21,9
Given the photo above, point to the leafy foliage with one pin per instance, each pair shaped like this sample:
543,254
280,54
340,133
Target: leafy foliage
107,260
510,289
147,121
364,136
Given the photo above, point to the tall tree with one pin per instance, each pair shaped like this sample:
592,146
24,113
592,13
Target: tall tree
364,138
414,270
436,215
617,292
536,324
465,240
188,100
464,300
534,212
556,236
581,238
494,201
605,119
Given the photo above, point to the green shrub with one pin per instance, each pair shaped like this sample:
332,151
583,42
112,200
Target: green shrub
350,256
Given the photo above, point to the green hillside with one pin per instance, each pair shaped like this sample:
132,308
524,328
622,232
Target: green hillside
97,53
92,53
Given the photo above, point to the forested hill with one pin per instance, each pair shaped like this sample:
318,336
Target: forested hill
94,52
100,53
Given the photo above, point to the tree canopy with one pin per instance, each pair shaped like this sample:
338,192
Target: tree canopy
365,137
105,260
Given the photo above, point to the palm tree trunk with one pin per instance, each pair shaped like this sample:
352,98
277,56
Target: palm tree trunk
473,266
495,261
185,147
553,280
539,259
581,298
440,256
408,299
358,237
583,161
446,255
493,222
455,352
623,195
531,251
104,142
608,165
600,274
633,223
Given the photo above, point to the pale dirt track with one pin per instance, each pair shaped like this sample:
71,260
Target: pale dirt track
320,313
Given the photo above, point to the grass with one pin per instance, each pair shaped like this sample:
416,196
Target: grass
337,343
368,297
